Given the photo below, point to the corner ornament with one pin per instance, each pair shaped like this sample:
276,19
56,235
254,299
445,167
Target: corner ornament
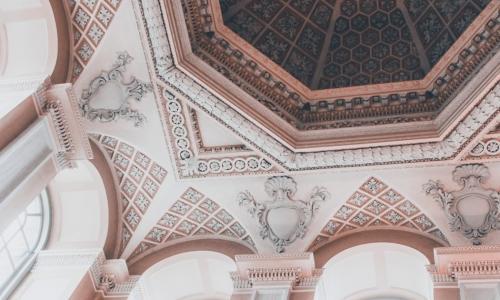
114,81
283,219
473,210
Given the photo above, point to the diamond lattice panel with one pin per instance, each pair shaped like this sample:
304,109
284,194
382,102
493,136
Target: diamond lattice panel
193,214
140,179
376,204
91,20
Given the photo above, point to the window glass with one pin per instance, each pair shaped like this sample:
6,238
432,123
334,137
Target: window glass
21,241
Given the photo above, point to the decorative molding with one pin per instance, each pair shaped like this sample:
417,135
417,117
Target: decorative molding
487,148
288,272
111,277
190,163
140,178
114,78
376,204
156,41
56,258
237,149
193,215
216,45
59,104
455,265
90,21
468,249
471,178
281,189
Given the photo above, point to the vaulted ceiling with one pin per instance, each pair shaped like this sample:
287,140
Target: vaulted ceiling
180,173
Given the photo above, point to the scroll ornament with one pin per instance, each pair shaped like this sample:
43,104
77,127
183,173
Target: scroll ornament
127,90
457,204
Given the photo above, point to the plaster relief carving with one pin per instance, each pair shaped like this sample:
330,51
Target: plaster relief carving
114,82
149,12
472,210
283,219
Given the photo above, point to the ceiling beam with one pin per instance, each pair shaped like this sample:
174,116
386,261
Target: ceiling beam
424,61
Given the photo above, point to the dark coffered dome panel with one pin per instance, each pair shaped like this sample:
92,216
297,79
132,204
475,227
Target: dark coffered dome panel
332,44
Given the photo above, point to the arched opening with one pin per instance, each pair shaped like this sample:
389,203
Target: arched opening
200,275
376,271
422,242
228,248
79,208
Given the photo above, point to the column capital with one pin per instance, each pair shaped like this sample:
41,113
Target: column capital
59,103
275,274
461,268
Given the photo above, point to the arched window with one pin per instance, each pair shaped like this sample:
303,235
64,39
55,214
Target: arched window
21,241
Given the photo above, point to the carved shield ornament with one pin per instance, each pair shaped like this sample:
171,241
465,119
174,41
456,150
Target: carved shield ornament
283,219
118,91
472,210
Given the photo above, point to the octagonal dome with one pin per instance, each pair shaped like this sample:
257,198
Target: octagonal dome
334,44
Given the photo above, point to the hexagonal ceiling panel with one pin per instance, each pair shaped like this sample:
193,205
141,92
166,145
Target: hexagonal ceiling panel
332,44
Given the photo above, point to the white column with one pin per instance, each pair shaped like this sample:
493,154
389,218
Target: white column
33,159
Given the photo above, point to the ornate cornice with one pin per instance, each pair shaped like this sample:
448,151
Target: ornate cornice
459,264
295,272
204,149
156,40
417,101
60,105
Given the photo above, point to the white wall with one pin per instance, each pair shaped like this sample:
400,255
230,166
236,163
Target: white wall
79,209
376,271
28,49
192,275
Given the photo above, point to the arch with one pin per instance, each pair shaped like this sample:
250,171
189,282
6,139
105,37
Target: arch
189,276
105,184
79,208
103,165
228,248
423,243
61,72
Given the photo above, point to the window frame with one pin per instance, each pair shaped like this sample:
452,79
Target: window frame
21,271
